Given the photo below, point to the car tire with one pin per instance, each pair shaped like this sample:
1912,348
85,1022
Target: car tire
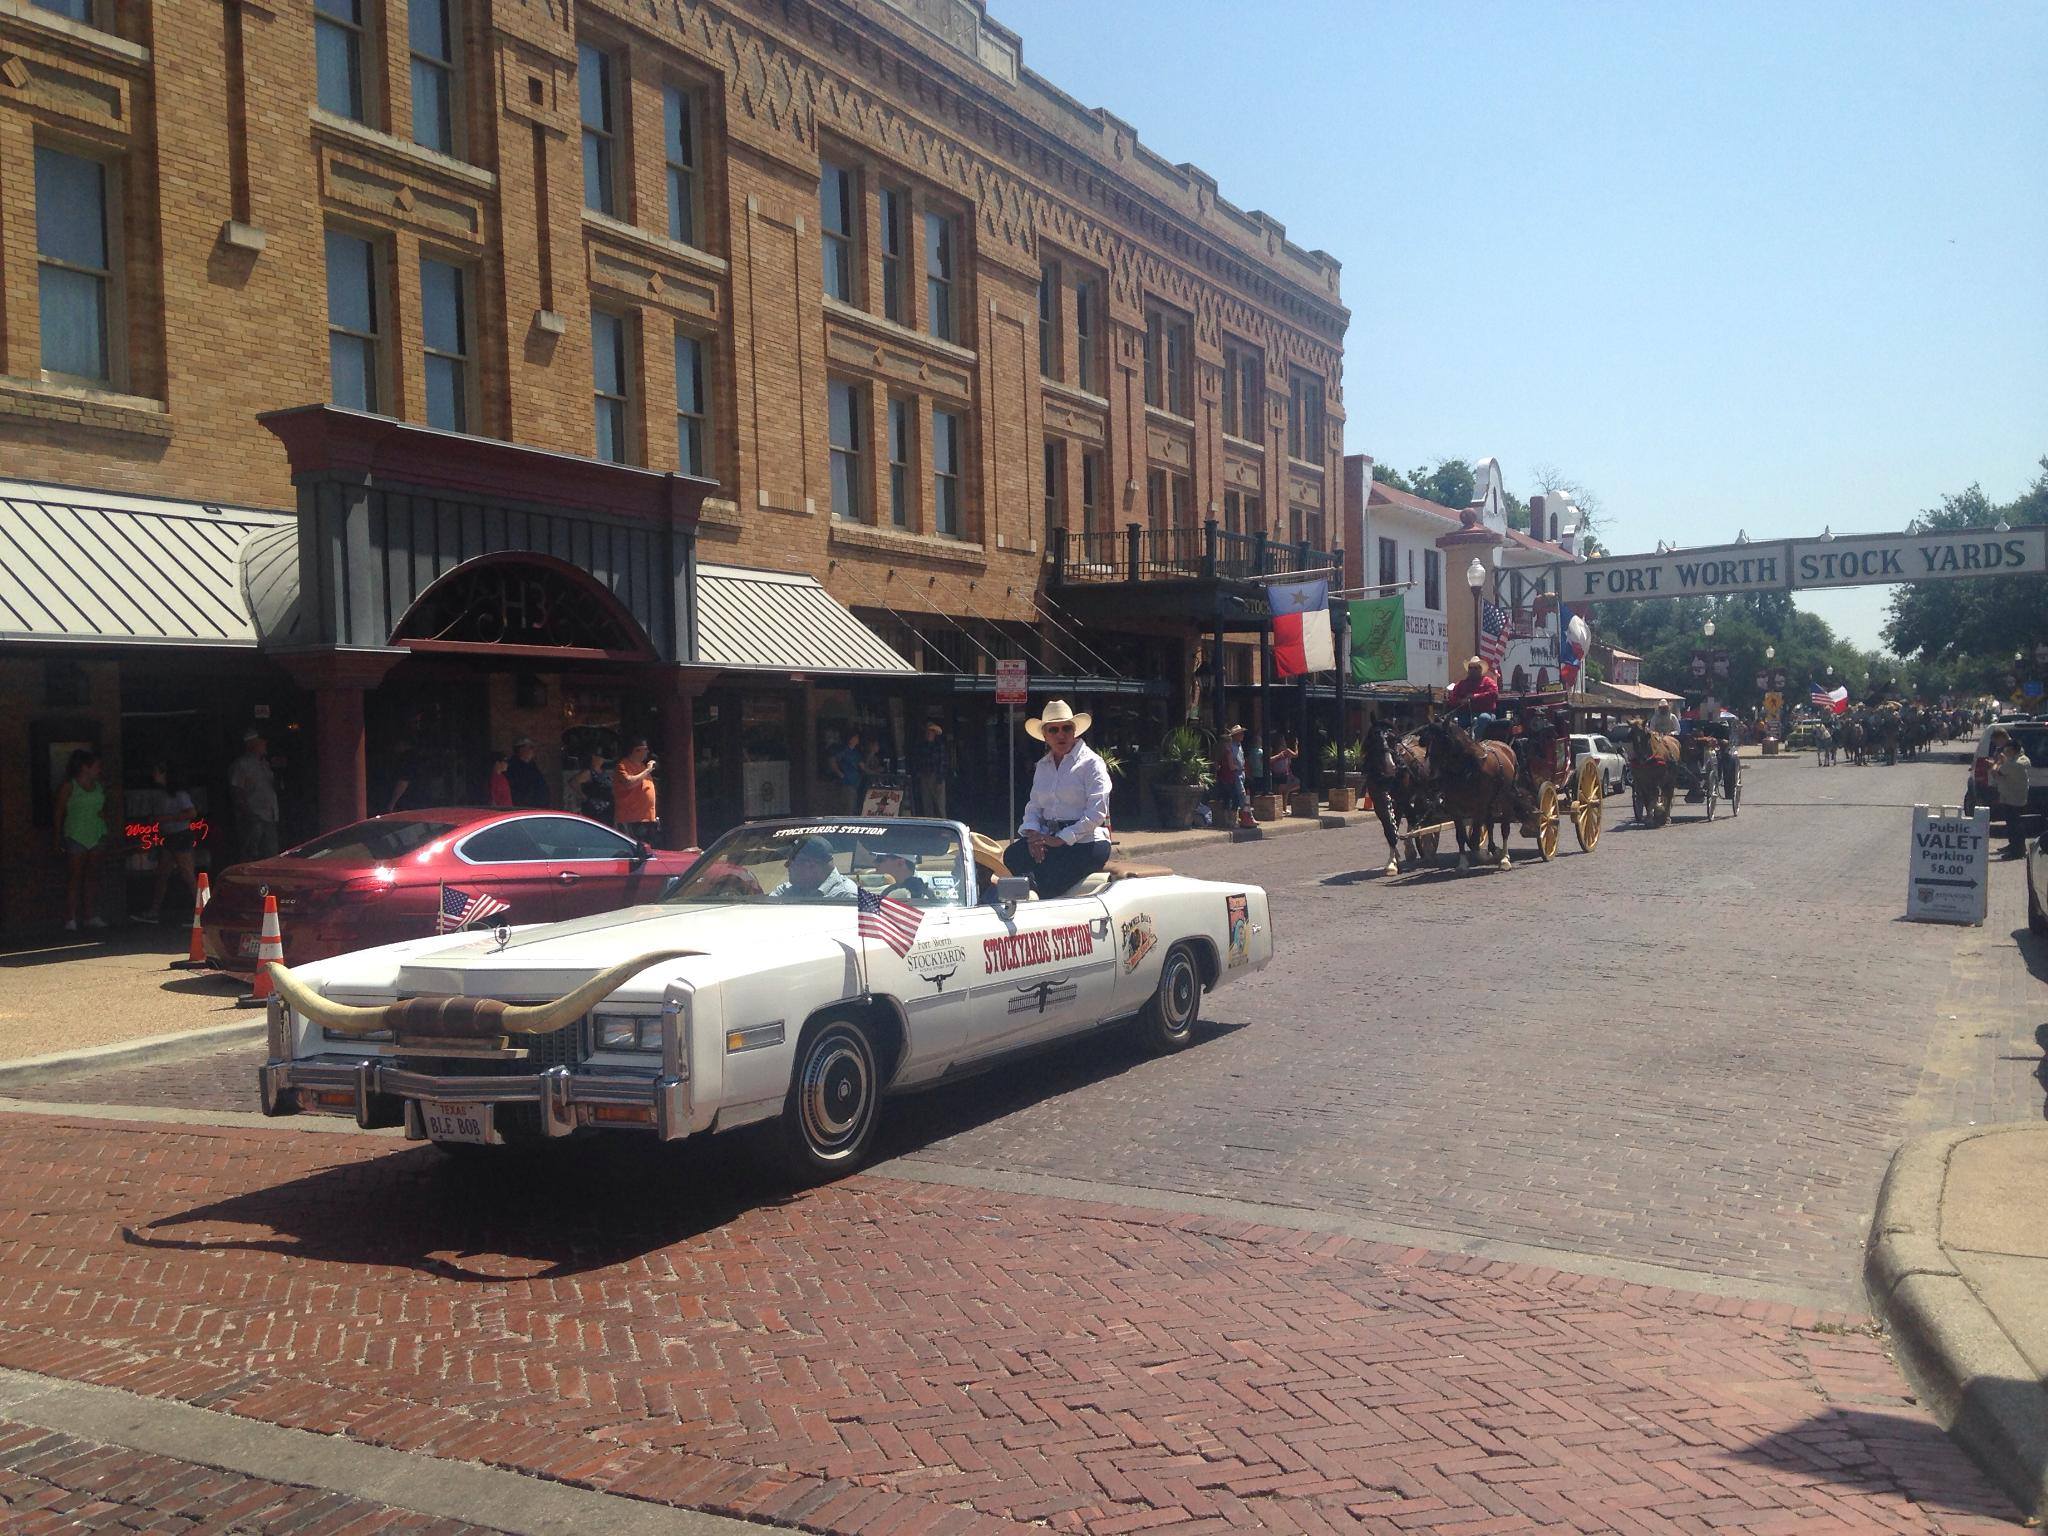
835,1091
1970,803
2037,918
1168,1021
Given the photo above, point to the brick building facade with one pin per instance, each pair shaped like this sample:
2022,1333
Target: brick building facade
910,307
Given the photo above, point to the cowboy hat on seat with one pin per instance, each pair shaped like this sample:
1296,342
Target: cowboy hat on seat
1058,712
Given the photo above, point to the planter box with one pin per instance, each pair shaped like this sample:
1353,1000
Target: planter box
1303,802
1176,803
1344,799
1266,807
1770,747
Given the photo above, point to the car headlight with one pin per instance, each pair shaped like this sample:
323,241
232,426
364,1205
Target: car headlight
626,1032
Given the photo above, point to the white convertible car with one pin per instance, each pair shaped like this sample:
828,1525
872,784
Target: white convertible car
801,970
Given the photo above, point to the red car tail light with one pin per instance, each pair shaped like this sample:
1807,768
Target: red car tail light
375,883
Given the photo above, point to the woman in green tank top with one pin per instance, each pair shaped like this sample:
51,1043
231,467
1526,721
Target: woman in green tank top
81,831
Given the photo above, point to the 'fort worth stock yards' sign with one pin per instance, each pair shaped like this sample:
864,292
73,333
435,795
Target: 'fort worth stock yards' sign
1852,560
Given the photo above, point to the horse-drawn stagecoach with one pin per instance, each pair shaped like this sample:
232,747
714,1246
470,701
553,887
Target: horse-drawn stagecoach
1440,777
1702,763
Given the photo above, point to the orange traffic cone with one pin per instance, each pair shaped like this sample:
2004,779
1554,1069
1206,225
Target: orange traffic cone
195,953
269,946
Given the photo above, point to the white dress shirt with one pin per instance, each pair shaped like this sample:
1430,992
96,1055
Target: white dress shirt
1070,798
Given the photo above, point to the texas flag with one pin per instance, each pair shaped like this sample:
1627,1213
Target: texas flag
1302,641
1835,703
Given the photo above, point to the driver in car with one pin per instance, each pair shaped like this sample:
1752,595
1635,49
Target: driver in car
813,876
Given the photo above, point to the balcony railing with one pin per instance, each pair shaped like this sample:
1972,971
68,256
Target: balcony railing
1138,553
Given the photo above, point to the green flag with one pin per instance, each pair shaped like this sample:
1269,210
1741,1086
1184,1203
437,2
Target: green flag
1379,640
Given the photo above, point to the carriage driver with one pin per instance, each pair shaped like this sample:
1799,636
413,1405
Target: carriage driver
1475,698
1066,821
1662,720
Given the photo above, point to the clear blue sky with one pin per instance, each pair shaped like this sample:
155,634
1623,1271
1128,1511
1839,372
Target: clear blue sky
1741,266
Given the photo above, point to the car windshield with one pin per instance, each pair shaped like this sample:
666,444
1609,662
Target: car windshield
372,842
2033,740
830,863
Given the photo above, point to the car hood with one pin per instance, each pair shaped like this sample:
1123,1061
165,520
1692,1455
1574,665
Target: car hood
550,959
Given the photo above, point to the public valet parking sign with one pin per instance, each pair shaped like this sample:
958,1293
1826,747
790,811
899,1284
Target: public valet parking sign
1790,564
1949,881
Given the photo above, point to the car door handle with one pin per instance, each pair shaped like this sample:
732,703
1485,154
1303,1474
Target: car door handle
568,877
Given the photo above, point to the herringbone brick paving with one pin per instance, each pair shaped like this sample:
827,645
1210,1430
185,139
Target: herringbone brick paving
55,1484
885,1357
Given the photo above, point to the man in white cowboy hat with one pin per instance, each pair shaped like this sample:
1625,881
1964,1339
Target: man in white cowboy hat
1066,821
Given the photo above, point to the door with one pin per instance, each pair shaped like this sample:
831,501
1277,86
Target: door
1048,969
508,861
594,868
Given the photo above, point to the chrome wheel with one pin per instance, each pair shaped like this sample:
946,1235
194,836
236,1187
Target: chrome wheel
1176,1003
830,1115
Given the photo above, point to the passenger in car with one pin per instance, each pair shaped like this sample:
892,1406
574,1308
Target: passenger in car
813,876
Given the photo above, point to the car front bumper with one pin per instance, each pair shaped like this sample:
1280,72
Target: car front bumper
383,1092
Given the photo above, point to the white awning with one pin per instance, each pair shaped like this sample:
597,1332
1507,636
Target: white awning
779,622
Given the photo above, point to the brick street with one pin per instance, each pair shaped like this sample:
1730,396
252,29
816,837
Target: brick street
1656,1087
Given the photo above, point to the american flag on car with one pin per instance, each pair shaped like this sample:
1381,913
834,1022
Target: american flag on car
460,908
894,923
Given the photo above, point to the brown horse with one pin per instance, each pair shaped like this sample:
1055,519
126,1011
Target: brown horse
1476,784
1394,773
1653,759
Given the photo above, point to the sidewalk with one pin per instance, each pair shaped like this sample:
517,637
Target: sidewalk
1958,1269
74,992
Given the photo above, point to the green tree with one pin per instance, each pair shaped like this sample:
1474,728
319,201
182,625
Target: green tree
1972,627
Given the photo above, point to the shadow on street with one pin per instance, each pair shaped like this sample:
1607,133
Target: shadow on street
588,1203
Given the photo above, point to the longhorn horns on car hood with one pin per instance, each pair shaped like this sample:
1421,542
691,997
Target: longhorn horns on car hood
451,1016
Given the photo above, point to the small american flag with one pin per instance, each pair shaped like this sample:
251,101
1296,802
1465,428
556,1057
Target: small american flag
460,908
894,922
1493,634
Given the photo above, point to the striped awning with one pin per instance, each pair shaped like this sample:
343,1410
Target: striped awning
778,622
105,568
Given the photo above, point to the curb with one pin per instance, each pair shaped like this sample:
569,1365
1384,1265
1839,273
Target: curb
130,1053
1968,1372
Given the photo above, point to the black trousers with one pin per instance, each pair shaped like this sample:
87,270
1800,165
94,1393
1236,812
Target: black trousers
2014,817
1065,865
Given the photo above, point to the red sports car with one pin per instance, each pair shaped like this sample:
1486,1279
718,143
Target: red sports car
381,880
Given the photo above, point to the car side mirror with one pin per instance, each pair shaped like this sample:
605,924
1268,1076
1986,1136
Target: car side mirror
1011,889
642,852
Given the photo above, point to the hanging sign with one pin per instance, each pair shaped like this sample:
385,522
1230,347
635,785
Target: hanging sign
1949,878
1848,560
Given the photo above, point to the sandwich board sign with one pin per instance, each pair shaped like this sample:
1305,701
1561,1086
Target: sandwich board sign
1950,876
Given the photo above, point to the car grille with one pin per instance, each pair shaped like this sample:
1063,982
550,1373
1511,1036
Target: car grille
565,1047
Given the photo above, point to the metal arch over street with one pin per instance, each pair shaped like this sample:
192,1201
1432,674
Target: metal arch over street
1850,560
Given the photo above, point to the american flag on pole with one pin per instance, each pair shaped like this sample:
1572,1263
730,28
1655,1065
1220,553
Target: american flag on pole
894,922
1493,634
460,908
1834,703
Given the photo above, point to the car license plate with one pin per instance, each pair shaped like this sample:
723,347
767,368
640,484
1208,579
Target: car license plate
457,1122
248,945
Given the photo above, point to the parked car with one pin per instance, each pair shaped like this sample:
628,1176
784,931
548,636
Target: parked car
379,881
2033,739
1613,764
762,988
1805,735
2037,884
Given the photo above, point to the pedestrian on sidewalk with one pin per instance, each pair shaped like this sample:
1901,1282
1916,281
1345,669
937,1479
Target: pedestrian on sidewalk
81,818
1281,760
529,784
930,765
589,790
1230,776
846,770
2009,767
174,825
497,787
252,786
633,794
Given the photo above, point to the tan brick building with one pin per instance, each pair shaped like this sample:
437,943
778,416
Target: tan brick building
908,306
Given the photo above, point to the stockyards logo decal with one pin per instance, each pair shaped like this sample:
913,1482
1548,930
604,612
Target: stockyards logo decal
1015,951
935,961
1138,938
1037,996
1238,909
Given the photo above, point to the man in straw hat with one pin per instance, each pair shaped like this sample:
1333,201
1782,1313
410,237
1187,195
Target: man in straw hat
1066,820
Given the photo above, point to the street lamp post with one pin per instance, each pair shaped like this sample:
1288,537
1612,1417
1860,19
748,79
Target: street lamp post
1475,578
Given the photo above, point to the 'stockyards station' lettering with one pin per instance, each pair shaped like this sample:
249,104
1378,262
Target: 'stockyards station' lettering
1014,951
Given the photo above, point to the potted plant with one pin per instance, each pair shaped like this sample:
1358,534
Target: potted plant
1184,775
1344,773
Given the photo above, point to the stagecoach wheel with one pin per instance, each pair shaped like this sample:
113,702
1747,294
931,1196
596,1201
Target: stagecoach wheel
1586,817
1546,821
1168,1020
1710,787
829,1117
1735,794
